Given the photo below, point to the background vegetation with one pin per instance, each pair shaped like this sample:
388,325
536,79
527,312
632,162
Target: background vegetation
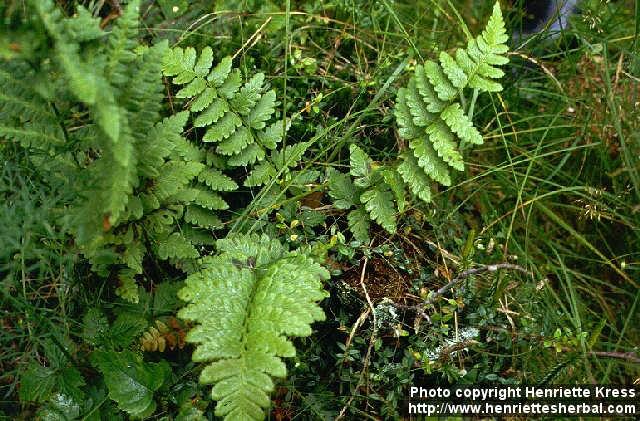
553,193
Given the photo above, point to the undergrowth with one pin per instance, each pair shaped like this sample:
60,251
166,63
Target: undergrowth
298,210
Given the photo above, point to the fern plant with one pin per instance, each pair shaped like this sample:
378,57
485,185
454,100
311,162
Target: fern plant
436,126
431,118
246,301
90,115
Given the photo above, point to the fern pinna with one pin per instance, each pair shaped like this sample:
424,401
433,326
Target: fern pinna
436,127
246,301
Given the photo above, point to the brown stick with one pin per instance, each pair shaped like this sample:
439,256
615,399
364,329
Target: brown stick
628,356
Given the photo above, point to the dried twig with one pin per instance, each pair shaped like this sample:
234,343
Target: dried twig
372,340
628,356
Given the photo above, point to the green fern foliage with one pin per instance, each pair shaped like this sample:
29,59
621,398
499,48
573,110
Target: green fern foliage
246,301
139,187
428,115
235,115
376,192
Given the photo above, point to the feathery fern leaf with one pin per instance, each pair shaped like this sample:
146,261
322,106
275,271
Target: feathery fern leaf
430,118
246,301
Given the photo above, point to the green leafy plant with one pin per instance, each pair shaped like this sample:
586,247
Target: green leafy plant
246,301
376,193
140,187
432,120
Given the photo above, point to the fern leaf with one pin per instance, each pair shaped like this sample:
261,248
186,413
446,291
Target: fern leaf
219,73
359,225
194,87
121,45
231,85
271,135
415,177
429,161
216,180
245,302
202,217
441,84
216,109
260,175
395,183
407,129
223,128
444,144
417,107
176,246
235,143
247,156
379,203
460,124
454,72
203,101
342,190
248,95
204,62
429,95
262,111
210,200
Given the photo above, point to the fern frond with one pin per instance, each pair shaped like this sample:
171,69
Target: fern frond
359,224
429,161
431,119
178,247
460,124
245,302
216,180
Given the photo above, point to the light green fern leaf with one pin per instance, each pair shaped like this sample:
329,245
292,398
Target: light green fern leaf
245,302
359,224
460,124
438,79
429,102
444,144
216,180
415,177
429,161
235,116
379,203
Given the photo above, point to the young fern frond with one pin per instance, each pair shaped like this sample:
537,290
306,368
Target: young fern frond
429,116
245,302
